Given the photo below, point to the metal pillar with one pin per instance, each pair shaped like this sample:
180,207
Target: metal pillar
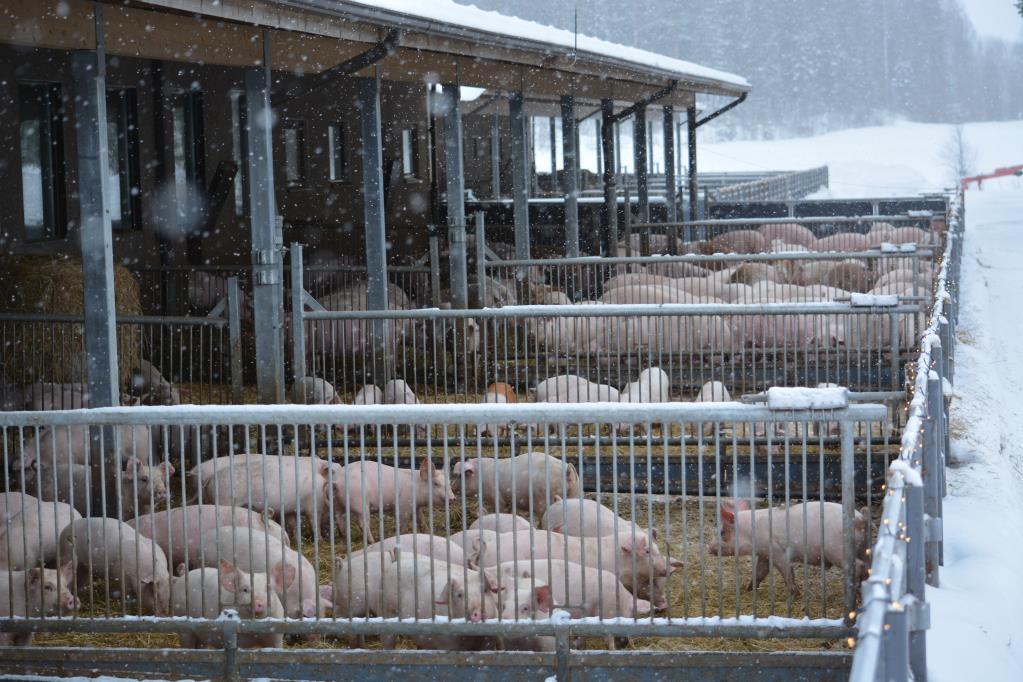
597,143
455,179
693,188
570,179
266,249
520,175
495,157
89,73
669,164
639,153
554,154
373,192
609,231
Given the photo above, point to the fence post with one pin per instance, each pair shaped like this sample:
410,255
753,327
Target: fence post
893,347
848,514
297,321
916,577
481,258
896,645
434,267
229,619
234,332
930,456
627,226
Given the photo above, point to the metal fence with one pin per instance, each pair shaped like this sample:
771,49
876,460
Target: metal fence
891,630
792,185
651,566
43,357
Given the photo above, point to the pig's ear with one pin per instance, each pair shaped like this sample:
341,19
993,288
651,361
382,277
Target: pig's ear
169,468
426,469
180,570
339,562
35,576
327,593
445,596
557,529
228,576
468,468
653,533
544,598
491,582
67,573
133,464
727,504
271,513
741,504
282,575
727,516
674,564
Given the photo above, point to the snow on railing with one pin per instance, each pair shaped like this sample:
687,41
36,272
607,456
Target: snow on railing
891,627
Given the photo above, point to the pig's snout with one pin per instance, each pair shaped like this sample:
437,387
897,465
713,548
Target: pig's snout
476,616
259,607
71,603
660,604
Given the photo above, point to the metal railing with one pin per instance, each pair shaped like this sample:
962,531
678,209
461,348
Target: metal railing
655,565
793,185
891,630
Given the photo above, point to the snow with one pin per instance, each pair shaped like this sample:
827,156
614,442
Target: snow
785,398
879,161
857,299
976,623
476,19
910,475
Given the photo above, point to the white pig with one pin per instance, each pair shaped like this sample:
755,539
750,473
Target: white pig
516,483
34,593
501,523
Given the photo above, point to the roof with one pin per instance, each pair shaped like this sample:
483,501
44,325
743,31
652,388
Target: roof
502,25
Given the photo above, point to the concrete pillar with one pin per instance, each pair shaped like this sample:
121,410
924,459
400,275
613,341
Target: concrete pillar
455,179
88,71
267,279
570,184
520,174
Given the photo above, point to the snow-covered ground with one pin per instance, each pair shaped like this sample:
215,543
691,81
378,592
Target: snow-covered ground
895,160
977,613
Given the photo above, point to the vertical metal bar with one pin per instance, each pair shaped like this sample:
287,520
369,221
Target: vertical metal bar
455,180
495,157
847,431
520,175
570,178
481,258
554,153
266,254
434,267
609,225
639,152
931,461
896,645
373,210
89,74
234,331
671,210
297,321
693,186
916,574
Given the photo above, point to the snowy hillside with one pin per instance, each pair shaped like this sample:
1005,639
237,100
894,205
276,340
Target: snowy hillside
903,158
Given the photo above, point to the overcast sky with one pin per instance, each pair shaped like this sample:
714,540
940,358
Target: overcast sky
995,18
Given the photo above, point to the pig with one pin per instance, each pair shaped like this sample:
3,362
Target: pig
71,445
911,235
576,589
710,392
569,388
498,392
178,531
315,391
652,386
844,241
473,543
397,392
366,486
35,593
738,241
501,523
53,517
369,395
304,493
516,483
779,533
790,233
613,553
524,601
424,588
749,273
284,464
49,396
254,551
357,590
568,335
139,486
150,385
206,592
423,544
850,276
118,553
19,545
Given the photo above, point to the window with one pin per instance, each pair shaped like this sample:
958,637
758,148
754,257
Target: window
239,153
189,156
410,152
42,161
336,152
294,154
123,161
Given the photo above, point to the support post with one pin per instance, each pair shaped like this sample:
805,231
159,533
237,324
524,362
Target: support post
455,179
932,460
597,128
520,175
554,154
609,225
89,74
639,153
434,267
234,333
671,210
896,645
266,251
570,178
373,215
693,187
495,157
297,321
916,575
481,259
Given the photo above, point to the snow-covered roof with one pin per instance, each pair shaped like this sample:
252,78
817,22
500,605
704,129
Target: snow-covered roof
438,15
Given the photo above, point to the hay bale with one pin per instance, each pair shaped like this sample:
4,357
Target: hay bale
55,351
